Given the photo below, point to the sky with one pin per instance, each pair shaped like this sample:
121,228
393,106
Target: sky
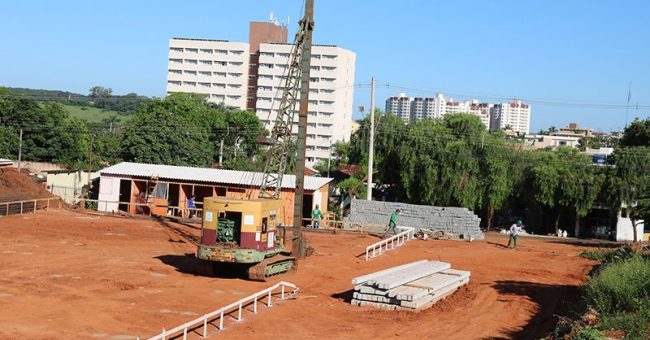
571,60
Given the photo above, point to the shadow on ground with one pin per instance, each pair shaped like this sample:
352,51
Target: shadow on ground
552,301
189,264
344,296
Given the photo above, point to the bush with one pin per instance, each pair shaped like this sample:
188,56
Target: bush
588,334
618,254
636,325
620,287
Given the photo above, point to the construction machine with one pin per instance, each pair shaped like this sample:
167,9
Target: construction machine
245,233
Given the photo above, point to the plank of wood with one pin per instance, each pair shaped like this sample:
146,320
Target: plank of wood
368,277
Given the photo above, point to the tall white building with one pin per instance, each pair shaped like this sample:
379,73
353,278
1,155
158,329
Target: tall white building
251,76
330,94
216,68
514,114
411,109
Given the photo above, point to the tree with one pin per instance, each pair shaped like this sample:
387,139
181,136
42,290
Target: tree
499,173
177,130
100,92
629,184
8,142
241,148
637,133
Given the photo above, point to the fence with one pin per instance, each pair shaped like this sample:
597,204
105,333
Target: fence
28,206
397,240
69,195
219,313
140,208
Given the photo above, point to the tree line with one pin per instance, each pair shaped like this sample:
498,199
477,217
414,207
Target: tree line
181,129
455,161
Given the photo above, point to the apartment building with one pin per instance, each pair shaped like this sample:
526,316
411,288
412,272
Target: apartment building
215,68
331,90
251,76
515,115
411,109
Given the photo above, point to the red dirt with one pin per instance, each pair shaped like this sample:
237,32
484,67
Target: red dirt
70,275
17,186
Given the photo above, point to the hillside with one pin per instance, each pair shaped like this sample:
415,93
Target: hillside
94,115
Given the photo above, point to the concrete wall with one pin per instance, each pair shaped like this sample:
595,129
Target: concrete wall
453,219
625,230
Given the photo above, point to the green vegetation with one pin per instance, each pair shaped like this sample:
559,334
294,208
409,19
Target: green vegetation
94,115
618,293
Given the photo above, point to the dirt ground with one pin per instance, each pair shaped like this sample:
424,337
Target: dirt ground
17,186
72,275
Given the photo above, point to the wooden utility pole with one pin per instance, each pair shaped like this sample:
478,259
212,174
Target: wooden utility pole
90,163
307,27
20,150
371,147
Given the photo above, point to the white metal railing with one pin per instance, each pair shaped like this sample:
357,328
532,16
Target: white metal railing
237,305
390,243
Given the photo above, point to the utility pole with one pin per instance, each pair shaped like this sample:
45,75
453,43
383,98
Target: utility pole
298,245
90,162
371,148
20,150
627,106
221,153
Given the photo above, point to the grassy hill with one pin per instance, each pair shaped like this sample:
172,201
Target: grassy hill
93,114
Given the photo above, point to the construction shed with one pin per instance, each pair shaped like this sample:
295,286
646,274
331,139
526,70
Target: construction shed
138,188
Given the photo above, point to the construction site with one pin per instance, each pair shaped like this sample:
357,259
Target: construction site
170,252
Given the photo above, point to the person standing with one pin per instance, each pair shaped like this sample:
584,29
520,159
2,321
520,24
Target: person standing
191,206
316,216
392,224
515,230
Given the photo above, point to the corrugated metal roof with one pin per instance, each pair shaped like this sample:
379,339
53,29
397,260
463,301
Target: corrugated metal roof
187,173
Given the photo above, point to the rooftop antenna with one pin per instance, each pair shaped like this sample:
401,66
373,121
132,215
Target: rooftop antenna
627,106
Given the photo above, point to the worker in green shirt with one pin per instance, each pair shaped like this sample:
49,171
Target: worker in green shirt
316,216
392,224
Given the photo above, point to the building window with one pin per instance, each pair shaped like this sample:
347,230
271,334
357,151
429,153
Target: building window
174,82
220,74
206,62
193,73
313,80
191,61
219,85
267,54
236,52
329,56
191,50
189,83
176,49
205,73
176,61
175,71
206,50
221,63
236,63
205,84
234,75
234,86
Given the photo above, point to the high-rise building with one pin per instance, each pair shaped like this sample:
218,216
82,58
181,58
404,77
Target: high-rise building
216,68
411,109
252,75
514,115
330,94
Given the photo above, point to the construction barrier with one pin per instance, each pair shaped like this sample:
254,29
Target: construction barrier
28,206
237,305
390,243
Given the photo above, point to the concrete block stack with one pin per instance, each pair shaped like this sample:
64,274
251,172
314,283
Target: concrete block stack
455,220
413,286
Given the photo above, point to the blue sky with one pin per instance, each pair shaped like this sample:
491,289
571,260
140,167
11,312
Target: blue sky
570,59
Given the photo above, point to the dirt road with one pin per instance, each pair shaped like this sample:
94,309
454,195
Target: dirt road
70,275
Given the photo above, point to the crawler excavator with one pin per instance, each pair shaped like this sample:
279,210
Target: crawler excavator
245,233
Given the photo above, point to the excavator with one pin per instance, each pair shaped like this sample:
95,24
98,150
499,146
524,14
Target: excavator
246,233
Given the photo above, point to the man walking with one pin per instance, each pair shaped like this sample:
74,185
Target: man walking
392,224
515,229
316,216
191,206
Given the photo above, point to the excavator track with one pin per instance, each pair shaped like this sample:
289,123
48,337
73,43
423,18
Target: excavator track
272,266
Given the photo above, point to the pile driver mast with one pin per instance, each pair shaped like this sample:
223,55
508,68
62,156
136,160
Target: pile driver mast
297,82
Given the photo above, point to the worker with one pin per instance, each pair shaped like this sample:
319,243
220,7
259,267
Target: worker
191,206
316,216
515,229
392,224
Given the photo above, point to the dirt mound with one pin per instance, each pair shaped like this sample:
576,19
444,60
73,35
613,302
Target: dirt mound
17,186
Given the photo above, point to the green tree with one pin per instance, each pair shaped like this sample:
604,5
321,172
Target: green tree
629,184
241,149
637,133
8,142
177,130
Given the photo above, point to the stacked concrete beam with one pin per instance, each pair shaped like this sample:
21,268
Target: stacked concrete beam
414,286
459,221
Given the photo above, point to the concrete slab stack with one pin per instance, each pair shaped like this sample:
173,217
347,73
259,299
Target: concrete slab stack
456,220
413,286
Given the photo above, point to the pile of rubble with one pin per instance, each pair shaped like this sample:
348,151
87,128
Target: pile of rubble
413,286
